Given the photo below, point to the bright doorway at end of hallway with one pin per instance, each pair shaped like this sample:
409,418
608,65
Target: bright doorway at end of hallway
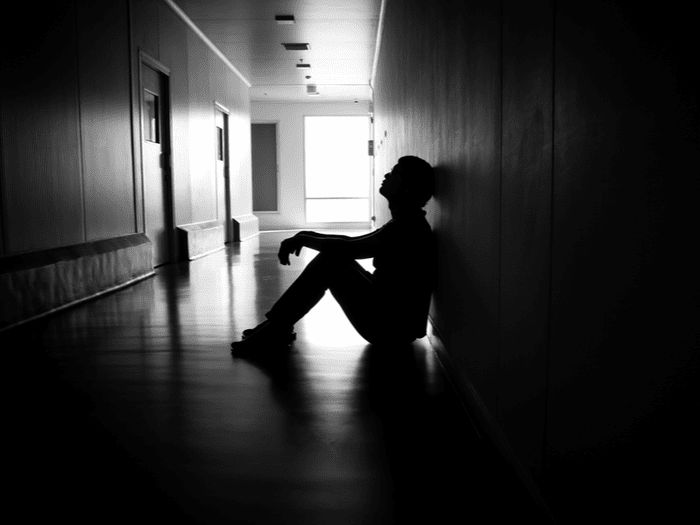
337,169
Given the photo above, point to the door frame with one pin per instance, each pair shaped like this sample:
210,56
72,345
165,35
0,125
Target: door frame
228,226
144,59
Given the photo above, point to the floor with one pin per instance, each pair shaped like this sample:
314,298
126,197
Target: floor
130,407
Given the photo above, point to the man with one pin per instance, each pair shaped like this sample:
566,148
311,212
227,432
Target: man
387,306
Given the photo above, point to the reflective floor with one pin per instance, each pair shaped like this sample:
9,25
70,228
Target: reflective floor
130,407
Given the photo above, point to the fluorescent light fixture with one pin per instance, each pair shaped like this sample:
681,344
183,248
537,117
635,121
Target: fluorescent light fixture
284,19
296,46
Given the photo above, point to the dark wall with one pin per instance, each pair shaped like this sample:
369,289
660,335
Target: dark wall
42,187
70,139
623,359
565,140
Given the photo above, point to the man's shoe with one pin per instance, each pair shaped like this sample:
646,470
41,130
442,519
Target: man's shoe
291,334
265,336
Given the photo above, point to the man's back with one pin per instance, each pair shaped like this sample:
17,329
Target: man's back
405,269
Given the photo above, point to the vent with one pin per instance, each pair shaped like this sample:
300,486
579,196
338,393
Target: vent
284,19
311,89
296,46
304,66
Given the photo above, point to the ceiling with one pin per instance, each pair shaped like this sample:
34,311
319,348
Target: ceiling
341,35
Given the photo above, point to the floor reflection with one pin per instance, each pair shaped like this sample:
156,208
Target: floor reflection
131,405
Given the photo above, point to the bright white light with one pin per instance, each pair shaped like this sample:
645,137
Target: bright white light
337,166
337,210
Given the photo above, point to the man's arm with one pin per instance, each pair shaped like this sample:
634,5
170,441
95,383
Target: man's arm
360,247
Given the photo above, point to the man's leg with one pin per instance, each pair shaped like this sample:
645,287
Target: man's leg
322,273
352,287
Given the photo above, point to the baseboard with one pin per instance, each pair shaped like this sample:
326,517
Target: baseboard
40,283
484,424
79,301
204,254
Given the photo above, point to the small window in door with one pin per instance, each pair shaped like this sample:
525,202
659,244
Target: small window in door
219,143
151,117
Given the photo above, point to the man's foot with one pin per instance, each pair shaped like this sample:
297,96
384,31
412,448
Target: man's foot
266,335
291,334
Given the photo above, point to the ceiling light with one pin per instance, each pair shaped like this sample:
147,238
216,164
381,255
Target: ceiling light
284,19
304,65
292,46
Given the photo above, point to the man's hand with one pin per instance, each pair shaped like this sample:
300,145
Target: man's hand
289,246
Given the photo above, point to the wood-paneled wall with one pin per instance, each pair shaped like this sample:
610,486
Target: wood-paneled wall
42,188
103,44
70,122
565,140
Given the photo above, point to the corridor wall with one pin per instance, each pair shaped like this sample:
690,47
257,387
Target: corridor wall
70,147
564,136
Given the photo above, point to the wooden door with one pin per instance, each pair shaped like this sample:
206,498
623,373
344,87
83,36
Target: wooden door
155,150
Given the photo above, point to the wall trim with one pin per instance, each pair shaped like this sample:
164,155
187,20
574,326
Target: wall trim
183,16
80,301
35,284
483,422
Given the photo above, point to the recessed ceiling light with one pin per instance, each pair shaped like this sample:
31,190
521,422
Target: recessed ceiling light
304,65
296,46
284,19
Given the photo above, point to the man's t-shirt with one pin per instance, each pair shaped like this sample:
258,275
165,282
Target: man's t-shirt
405,270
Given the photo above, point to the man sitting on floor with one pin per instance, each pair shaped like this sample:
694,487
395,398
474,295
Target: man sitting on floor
387,306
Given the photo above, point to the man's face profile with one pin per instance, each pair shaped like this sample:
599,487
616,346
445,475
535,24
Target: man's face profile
391,185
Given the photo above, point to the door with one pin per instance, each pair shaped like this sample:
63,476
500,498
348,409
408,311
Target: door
155,151
264,159
223,188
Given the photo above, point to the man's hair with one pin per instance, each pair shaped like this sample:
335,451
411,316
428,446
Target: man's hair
418,178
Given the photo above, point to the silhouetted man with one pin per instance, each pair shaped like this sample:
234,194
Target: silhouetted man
387,306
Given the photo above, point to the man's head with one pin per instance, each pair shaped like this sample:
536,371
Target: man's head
410,183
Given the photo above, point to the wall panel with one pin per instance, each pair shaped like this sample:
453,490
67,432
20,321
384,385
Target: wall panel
42,187
105,119
240,151
201,143
525,224
622,347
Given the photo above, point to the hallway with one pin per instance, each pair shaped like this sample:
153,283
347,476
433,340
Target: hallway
130,407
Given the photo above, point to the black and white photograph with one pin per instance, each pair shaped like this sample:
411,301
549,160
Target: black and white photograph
350,262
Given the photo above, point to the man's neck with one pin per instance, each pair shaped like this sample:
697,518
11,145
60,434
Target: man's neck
399,212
